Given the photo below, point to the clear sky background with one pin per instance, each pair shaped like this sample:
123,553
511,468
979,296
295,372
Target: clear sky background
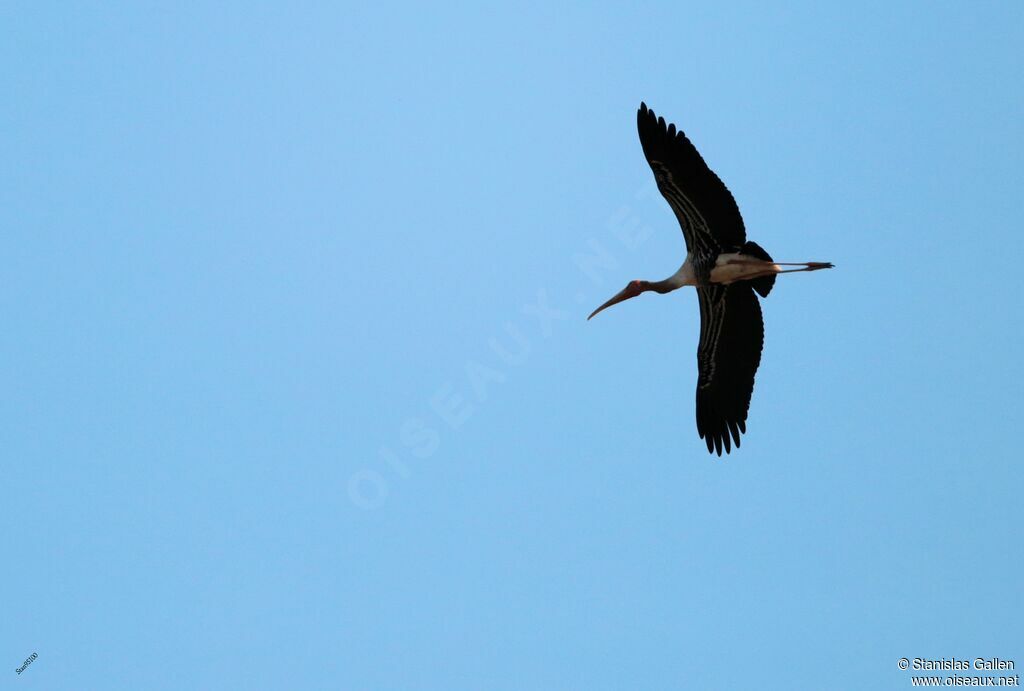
298,391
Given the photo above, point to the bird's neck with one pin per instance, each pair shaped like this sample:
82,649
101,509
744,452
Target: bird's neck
683,277
666,286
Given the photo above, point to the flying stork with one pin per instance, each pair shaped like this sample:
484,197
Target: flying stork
724,267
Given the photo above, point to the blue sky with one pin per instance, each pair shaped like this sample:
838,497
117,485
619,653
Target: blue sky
299,391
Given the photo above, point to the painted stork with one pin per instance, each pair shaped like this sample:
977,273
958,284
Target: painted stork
726,270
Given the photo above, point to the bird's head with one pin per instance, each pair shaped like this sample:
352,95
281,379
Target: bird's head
632,289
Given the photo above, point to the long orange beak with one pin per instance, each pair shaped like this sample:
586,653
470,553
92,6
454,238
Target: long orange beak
624,294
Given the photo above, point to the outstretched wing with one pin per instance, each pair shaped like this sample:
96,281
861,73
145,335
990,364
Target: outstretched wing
731,338
705,208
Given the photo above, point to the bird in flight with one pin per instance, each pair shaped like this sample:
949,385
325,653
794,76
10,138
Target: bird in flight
724,267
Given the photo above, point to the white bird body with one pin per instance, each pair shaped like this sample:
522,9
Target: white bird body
729,268
735,266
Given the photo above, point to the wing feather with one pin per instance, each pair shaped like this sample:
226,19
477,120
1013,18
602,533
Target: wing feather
703,205
729,352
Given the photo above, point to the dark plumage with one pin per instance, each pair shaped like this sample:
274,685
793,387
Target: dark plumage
726,269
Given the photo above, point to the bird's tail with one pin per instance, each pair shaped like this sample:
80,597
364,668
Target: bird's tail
762,284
